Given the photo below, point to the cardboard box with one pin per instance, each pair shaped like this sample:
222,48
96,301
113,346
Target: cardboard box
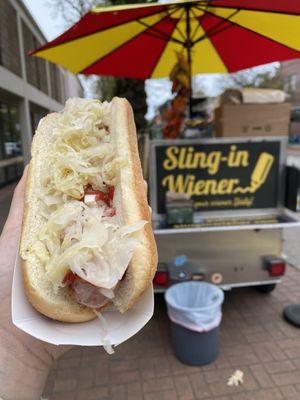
252,120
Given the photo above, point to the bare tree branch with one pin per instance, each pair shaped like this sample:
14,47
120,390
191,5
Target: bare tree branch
71,10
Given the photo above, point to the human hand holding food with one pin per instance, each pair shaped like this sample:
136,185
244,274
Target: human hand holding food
24,361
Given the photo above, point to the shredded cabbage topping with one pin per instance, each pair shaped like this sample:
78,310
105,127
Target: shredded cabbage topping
77,236
104,333
83,151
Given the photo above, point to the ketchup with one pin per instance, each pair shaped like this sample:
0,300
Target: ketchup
105,197
69,278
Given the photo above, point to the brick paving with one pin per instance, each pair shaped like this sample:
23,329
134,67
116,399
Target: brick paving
254,338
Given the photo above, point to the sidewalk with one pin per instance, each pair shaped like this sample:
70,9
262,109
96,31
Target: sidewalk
254,339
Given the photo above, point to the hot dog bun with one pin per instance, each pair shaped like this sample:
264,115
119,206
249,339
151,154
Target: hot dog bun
130,202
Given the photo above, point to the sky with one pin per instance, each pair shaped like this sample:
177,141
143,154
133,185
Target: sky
50,25
158,90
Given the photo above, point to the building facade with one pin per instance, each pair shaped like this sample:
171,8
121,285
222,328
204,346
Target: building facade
29,87
290,71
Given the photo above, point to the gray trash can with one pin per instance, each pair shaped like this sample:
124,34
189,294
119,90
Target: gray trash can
194,309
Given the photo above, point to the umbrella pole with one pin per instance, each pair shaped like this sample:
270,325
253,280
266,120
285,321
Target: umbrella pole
189,55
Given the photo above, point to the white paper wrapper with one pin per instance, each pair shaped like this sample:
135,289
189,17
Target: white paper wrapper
120,326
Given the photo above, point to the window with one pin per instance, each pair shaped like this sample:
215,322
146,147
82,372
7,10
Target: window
36,73
9,40
11,160
56,86
36,114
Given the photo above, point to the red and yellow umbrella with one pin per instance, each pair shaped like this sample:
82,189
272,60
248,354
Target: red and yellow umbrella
142,41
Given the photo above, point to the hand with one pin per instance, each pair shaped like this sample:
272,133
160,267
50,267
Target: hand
24,360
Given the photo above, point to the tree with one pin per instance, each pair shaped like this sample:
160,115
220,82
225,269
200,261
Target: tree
71,10
132,89
107,87
270,78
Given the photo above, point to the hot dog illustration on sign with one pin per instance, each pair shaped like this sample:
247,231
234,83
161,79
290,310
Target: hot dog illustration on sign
259,174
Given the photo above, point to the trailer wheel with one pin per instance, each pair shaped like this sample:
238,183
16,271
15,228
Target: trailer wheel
266,288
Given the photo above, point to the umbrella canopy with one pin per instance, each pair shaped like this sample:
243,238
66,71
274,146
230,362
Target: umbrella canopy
141,41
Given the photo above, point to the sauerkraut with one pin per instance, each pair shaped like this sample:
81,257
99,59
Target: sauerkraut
82,151
83,238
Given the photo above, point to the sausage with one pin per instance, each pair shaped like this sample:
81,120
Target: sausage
87,294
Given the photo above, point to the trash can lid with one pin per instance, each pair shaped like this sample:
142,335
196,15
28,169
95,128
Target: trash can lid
191,295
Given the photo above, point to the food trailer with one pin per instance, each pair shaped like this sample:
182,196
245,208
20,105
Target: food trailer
235,236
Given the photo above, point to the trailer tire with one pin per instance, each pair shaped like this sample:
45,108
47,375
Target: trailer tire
266,288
